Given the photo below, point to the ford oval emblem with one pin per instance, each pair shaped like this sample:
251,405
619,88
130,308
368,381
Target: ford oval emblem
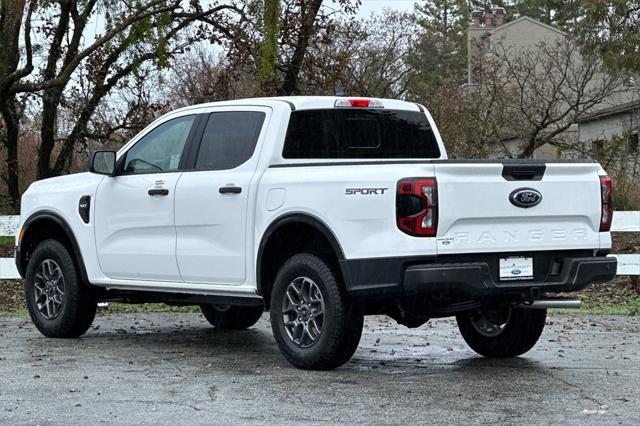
525,197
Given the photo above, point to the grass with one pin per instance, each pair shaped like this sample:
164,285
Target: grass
147,307
20,312
612,299
12,303
631,308
7,240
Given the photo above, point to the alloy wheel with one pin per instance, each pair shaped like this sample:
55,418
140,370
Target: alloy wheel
491,322
49,289
303,311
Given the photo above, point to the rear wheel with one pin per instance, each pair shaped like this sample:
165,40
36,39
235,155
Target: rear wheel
502,331
225,317
59,303
314,323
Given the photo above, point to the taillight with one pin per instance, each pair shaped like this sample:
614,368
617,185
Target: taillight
417,206
606,194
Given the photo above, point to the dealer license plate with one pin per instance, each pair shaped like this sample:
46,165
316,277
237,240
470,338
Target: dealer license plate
516,268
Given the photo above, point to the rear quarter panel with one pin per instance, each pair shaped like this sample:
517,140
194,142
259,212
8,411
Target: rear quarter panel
364,224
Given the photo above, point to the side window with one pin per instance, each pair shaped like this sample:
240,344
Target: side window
160,150
229,139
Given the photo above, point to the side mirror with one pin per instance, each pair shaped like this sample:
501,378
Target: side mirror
103,163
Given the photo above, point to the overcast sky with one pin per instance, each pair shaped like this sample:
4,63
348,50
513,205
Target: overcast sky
375,6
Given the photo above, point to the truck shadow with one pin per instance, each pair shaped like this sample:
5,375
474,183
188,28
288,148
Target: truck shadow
179,341
243,350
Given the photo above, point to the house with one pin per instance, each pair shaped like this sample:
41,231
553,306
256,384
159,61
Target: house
485,32
621,120
612,121
617,115
519,34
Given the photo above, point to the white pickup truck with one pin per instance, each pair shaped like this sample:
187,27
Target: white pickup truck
320,210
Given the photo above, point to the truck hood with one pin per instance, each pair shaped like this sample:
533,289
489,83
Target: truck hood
66,183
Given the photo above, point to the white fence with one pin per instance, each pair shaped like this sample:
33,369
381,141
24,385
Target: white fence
628,264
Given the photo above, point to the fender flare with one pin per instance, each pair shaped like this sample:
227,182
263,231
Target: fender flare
64,225
307,219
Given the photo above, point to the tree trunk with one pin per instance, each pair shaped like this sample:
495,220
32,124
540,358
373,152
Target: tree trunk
11,14
529,148
290,83
269,47
50,103
11,117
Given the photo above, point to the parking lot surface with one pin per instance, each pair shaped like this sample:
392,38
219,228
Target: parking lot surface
175,369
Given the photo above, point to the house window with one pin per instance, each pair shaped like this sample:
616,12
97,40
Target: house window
633,144
597,148
486,41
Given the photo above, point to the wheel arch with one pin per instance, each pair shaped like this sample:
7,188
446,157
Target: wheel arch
42,225
287,220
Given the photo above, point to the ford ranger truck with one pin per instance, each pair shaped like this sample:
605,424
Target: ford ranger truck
320,210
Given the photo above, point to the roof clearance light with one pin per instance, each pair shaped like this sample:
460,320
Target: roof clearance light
358,103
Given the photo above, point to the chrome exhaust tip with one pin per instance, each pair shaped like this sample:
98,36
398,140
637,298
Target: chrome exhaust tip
551,303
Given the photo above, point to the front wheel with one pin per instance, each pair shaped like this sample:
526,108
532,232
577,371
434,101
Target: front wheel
502,331
314,323
59,303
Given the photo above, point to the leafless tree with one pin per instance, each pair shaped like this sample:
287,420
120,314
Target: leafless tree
540,92
362,57
66,62
202,75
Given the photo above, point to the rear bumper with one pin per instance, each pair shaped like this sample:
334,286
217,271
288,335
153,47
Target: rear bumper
475,276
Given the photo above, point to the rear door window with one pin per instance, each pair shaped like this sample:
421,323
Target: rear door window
359,133
229,139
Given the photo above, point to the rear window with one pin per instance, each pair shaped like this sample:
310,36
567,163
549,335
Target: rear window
359,133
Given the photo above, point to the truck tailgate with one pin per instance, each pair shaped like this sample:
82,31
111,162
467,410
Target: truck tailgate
477,214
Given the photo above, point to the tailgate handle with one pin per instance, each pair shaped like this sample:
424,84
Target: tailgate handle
523,171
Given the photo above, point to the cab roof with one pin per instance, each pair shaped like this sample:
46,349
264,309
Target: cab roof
307,102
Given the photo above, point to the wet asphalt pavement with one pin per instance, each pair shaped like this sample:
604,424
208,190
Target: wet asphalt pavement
175,369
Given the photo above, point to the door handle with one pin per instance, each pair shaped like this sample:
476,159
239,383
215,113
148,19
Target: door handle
230,190
154,192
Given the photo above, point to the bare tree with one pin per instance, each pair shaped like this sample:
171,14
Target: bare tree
304,22
245,67
205,76
134,34
362,57
541,91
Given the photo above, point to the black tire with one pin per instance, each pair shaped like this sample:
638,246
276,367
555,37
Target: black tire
341,322
76,307
519,334
224,317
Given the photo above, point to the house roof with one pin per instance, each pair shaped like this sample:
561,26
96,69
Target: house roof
526,18
609,111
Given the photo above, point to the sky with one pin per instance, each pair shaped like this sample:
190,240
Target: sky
376,6
366,9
